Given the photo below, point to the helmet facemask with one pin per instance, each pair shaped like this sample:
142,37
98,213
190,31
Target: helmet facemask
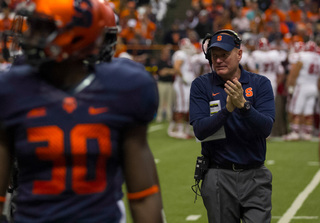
35,41
108,45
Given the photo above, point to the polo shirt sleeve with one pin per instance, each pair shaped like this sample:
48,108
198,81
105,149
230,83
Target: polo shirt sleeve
262,113
203,124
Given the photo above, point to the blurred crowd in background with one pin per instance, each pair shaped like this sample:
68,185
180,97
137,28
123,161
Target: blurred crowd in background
150,32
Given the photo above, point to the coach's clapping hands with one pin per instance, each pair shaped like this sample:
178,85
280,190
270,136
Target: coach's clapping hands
235,96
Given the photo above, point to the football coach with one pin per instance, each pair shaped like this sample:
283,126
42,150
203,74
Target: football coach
232,112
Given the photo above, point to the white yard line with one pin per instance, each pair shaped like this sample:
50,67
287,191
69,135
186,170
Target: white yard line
313,163
299,217
270,162
193,217
155,128
290,213
280,139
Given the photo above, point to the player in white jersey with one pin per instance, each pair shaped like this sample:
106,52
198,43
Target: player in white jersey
296,48
245,57
267,62
318,108
200,64
179,127
303,79
293,56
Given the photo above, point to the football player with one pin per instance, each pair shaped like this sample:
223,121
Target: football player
302,79
267,62
293,57
182,63
76,133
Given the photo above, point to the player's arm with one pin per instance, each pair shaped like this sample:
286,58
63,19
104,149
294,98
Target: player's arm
5,167
280,75
141,177
252,65
293,75
177,67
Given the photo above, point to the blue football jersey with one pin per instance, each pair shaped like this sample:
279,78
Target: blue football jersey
67,143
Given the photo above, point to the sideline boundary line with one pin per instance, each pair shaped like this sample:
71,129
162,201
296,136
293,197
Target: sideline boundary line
295,206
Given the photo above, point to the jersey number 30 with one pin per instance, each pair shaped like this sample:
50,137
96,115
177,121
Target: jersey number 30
55,153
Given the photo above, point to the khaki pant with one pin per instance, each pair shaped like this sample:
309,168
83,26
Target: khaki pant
166,97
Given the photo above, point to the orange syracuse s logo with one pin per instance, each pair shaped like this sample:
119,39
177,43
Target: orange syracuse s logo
69,104
249,92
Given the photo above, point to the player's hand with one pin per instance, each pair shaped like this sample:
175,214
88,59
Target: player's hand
235,92
290,90
184,82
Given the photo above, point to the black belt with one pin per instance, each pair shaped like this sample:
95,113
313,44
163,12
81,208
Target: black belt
234,166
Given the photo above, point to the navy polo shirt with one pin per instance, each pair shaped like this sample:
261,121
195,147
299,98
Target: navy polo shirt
245,132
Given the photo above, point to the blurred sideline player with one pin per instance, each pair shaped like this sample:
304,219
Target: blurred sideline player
76,134
267,62
293,57
165,80
182,63
199,62
302,82
317,110
14,55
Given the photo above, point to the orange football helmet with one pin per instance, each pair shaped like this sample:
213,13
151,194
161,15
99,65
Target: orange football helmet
60,29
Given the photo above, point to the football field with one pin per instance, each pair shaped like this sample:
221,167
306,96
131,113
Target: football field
294,165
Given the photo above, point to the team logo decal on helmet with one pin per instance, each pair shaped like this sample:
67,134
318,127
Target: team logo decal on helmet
84,16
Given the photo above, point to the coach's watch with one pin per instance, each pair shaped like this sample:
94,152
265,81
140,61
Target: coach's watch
246,107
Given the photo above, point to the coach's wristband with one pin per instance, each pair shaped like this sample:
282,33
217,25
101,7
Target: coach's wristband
246,107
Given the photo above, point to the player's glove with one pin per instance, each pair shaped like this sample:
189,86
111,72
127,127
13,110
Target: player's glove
290,90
